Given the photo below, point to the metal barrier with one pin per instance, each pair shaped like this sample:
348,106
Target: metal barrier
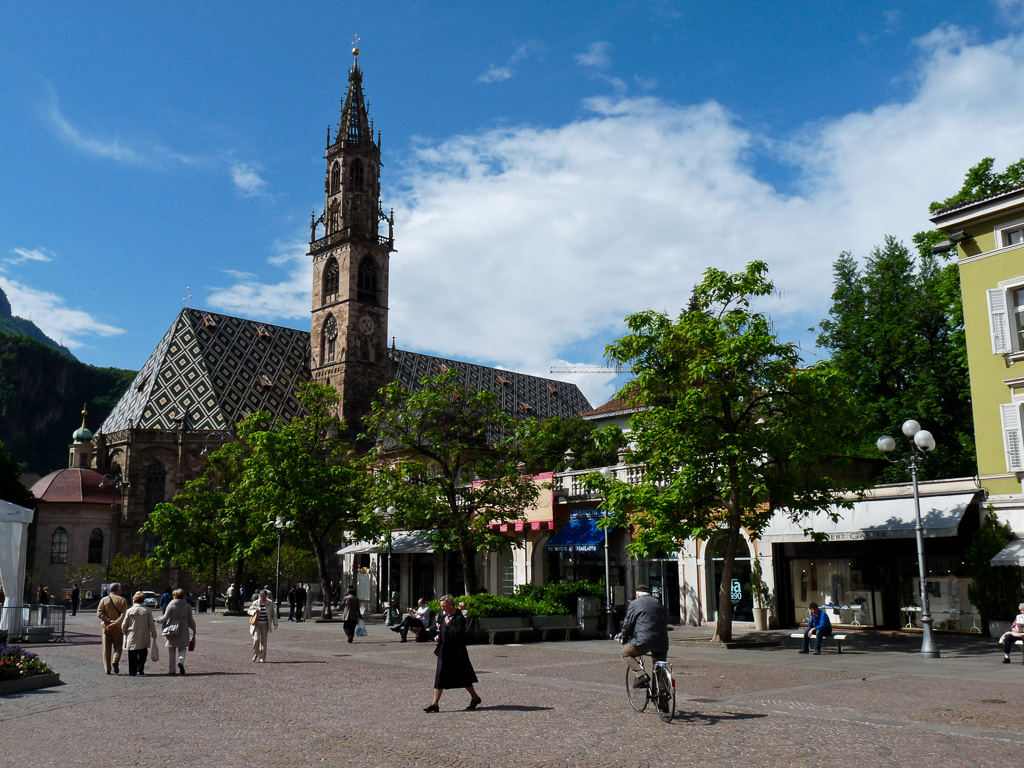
34,623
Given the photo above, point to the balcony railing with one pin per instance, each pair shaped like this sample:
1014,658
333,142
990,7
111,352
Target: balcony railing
568,485
349,234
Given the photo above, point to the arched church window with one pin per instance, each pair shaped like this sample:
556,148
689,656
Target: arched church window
59,546
355,175
329,340
156,484
366,283
335,178
96,546
331,273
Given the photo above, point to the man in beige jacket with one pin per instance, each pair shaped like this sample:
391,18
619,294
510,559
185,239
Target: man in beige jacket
110,612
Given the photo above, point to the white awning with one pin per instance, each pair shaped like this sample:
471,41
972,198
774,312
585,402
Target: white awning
402,542
875,519
1011,554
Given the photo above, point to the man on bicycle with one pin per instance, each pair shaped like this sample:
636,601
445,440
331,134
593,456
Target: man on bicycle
644,630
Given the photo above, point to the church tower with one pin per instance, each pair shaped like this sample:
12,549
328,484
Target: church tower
350,265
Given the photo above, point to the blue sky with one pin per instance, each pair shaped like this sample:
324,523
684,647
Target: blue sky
553,167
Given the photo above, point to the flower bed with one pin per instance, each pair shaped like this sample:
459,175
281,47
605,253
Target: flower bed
16,663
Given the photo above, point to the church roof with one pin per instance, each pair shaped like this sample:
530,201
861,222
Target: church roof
72,485
215,369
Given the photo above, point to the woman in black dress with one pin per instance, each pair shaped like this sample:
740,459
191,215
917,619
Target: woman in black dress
454,669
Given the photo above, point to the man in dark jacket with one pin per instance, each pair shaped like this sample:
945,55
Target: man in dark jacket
644,630
300,602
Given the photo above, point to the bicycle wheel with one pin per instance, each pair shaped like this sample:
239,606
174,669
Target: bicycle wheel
666,696
637,696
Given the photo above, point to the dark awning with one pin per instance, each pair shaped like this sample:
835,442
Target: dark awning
580,535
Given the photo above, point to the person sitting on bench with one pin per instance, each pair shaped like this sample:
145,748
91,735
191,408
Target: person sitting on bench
1016,633
818,626
417,619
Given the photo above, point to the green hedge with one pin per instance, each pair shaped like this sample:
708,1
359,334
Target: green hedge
529,600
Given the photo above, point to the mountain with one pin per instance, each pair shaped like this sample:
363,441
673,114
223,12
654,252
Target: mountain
42,389
19,326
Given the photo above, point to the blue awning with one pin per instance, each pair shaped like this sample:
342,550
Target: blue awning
581,535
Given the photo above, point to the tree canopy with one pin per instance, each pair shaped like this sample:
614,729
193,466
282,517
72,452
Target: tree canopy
734,426
544,445
448,459
896,335
11,487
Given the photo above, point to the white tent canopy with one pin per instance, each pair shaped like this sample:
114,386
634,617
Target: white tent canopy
402,542
1011,554
875,519
14,522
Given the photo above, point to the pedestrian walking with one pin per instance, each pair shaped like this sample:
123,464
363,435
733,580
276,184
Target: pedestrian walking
454,669
139,630
110,612
262,619
291,604
76,596
177,620
350,614
300,602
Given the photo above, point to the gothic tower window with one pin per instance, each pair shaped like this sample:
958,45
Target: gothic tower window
335,178
355,175
329,340
331,277
59,546
96,546
367,281
156,482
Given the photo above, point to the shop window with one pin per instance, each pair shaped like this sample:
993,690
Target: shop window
96,546
59,546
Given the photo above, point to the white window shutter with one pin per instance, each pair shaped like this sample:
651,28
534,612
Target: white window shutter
1010,413
999,324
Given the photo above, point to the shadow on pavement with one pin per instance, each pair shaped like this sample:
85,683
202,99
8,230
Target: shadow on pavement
513,708
701,718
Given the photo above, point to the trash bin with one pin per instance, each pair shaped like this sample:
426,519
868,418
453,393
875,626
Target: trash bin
202,603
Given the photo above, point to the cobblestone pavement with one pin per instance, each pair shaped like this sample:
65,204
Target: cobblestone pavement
321,701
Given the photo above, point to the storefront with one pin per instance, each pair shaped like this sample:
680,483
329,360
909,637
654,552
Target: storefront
576,551
866,574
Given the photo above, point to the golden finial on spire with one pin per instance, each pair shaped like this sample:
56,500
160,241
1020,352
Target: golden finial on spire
355,47
84,413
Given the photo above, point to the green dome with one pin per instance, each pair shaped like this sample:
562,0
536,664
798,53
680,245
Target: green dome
82,435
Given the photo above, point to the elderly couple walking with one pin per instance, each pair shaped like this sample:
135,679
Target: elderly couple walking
134,629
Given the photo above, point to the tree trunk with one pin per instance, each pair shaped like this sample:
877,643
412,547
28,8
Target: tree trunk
468,555
239,570
325,582
723,627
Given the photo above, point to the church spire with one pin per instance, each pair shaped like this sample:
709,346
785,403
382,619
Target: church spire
354,127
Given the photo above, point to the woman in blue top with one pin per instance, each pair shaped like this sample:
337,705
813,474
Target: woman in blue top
818,626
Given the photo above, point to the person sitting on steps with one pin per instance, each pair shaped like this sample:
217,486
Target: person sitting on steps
818,626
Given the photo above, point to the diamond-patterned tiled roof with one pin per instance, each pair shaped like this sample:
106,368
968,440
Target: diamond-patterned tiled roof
216,369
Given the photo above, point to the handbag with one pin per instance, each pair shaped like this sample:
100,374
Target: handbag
192,643
254,619
170,629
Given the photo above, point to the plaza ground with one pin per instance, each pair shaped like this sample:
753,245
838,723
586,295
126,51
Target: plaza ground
322,701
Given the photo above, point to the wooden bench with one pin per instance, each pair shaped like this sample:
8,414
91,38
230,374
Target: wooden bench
546,624
514,624
840,639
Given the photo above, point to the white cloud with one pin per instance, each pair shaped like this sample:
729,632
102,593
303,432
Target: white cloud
70,327
596,56
1012,11
31,254
526,246
247,180
497,73
289,299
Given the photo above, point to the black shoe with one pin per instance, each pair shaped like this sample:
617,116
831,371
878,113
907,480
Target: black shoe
395,629
117,669
1006,659
181,668
350,639
432,708
642,681
474,703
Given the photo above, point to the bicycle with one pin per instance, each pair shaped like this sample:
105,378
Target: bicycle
660,688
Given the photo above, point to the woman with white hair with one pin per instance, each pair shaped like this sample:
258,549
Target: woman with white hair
177,621
139,633
262,617
1016,633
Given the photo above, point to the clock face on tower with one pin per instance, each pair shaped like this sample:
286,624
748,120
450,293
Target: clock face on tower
331,328
366,324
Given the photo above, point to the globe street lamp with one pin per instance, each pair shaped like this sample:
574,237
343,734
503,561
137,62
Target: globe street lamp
923,444
280,524
389,515
609,626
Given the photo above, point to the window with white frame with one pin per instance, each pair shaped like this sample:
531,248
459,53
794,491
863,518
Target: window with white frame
1009,234
1006,317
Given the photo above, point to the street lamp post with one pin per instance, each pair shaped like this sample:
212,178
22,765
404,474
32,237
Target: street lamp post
280,524
923,444
609,626
389,515
116,483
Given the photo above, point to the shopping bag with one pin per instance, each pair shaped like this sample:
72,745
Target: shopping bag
361,629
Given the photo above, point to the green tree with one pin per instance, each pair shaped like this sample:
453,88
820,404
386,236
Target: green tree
734,428
86,573
210,522
302,472
996,590
544,445
134,572
450,461
895,333
11,487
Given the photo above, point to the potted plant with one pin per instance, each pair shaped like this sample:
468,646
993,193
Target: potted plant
996,590
762,596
